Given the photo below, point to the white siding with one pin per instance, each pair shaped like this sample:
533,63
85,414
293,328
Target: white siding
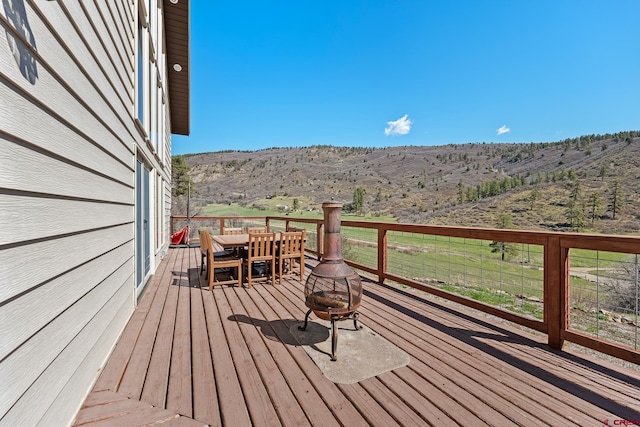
68,148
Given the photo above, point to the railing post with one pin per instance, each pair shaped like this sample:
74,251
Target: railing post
382,254
266,223
556,291
221,225
320,239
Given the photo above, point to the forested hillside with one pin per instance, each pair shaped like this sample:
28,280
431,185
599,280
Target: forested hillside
589,183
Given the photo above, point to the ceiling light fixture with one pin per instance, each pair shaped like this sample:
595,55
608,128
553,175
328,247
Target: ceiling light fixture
177,67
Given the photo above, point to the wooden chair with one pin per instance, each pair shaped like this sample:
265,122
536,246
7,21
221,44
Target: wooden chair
251,230
221,260
261,250
291,248
203,248
233,230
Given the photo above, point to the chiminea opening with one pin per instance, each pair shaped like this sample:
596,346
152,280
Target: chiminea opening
333,290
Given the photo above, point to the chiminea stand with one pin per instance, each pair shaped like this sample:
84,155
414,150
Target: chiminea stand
334,317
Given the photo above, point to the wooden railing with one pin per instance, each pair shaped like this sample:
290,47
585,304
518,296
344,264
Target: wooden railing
555,265
216,224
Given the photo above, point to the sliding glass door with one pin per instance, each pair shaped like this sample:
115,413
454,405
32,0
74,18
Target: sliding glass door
143,225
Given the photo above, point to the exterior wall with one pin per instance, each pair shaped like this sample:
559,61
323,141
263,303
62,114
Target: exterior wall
69,143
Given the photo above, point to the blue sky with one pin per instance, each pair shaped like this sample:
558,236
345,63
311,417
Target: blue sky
387,73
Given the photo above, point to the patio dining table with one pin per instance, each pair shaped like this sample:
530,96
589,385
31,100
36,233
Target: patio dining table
229,241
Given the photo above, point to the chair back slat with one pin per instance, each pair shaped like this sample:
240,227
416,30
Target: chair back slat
291,242
203,241
261,246
233,231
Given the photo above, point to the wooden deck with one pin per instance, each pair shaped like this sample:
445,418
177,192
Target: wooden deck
193,357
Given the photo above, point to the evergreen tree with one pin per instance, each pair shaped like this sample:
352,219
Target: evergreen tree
358,201
460,192
533,196
179,176
603,172
615,199
505,249
575,211
594,205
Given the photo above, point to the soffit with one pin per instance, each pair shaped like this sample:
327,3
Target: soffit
177,33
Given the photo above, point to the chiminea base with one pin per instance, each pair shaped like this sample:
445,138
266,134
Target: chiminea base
334,328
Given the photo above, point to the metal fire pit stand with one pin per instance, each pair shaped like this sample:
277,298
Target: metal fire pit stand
334,317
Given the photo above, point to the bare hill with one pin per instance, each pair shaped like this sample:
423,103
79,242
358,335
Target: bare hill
552,186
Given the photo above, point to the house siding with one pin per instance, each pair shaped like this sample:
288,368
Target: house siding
69,143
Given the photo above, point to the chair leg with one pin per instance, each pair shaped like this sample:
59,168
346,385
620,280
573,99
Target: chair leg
302,267
249,266
273,273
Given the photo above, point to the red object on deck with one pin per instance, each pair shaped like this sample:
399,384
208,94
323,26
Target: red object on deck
181,237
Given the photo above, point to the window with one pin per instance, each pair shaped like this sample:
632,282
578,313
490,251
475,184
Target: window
140,70
153,107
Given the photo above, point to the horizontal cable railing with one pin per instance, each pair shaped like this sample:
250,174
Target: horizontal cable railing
581,288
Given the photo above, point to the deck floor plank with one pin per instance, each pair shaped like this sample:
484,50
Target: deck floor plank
135,373
434,392
157,380
392,403
450,384
452,362
534,387
466,392
256,397
205,397
418,399
191,357
107,410
233,410
303,392
343,410
102,398
372,410
114,370
141,417
282,397
179,393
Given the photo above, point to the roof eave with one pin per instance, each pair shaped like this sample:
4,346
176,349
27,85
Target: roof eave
177,31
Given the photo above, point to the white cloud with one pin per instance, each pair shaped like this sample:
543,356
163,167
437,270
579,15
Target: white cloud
402,126
503,129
